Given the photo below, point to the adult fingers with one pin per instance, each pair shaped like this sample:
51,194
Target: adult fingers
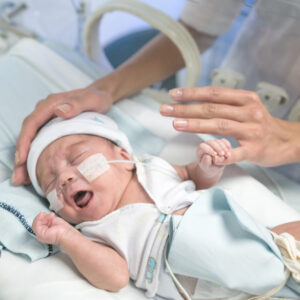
221,127
29,129
227,144
20,175
205,111
42,113
213,94
66,105
89,100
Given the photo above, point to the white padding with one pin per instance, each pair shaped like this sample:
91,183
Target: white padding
55,203
93,166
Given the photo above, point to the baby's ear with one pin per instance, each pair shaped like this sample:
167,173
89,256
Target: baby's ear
126,156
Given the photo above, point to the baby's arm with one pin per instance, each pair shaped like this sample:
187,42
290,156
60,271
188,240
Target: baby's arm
208,169
102,266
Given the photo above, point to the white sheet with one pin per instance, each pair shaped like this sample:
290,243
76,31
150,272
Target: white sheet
51,278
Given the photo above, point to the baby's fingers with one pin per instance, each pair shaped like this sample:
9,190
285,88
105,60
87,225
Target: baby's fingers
205,148
236,155
221,147
42,219
225,144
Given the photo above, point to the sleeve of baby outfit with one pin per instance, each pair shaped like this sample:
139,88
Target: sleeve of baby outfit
213,17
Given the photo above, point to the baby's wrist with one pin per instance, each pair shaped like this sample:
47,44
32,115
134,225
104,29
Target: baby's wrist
202,177
67,236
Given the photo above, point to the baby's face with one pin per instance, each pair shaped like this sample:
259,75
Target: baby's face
83,200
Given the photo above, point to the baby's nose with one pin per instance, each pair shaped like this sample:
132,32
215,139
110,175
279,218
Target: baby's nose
66,178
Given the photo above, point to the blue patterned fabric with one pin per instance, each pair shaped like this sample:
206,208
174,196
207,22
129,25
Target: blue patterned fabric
18,207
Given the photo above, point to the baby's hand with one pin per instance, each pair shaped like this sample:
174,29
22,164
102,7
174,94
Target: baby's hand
49,228
211,154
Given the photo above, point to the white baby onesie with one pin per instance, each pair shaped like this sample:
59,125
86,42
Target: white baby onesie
139,231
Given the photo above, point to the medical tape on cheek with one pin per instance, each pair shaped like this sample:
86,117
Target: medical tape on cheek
55,203
93,166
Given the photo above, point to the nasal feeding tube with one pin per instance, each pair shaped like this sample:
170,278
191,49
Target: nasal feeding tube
91,168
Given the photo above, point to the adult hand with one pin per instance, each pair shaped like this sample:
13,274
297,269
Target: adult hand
66,105
263,139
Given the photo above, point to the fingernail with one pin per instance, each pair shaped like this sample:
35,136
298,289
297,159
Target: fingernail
180,123
64,108
17,158
176,93
166,109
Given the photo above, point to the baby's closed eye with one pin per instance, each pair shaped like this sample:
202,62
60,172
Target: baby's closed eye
49,185
78,158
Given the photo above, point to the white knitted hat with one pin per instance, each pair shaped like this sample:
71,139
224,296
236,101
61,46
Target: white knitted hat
85,123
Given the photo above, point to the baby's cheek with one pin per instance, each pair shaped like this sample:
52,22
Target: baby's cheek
69,215
99,185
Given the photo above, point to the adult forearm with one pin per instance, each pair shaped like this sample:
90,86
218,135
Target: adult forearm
102,266
154,62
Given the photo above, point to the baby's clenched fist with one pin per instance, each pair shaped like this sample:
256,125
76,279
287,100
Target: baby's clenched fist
211,154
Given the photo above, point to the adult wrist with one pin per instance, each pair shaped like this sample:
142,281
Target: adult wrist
296,141
291,141
109,84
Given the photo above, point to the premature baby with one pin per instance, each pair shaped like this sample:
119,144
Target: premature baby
125,208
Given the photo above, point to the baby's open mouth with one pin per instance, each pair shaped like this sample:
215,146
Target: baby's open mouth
82,198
